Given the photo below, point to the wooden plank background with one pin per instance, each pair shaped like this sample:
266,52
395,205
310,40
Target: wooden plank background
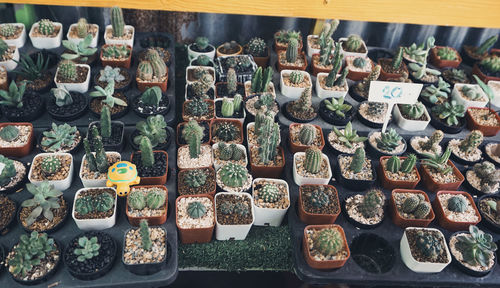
472,13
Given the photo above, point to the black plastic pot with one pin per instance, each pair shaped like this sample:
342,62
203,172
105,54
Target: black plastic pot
72,151
459,160
118,147
163,102
113,116
250,117
19,185
96,274
292,118
487,156
118,89
354,185
355,95
9,224
332,118
33,105
376,154
376,53
53,229
484,220
440,125
372,253
78,107
161,146
471,188
356,223
467,270
149,268
369,123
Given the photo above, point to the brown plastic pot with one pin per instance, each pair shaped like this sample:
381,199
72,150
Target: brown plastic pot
142,85
485,78
278,46
358,75
402,222
178,133
449,224
433,186
195,235
152,220
326,264
159,180
210,192
235,122
260,61
124,63
495,51
313,218
394,184
19,151
386,75
297,147
262,171
219,53
488,131
438,62
291,67
186,118
316,68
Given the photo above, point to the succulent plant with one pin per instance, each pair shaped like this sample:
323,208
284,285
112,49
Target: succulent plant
376,108
307,134
153,68
116,51
420,70
292,51
46,27
195,178
428,244
393,164
434,94
30,69
265,102
269,193
416,53
318,198
197,107
417,205
82,28
284,36
109,74
457,204
446,53
261,79
196,210
226,208
203,60
354,43
359,62
117,22
9,133
13,97
201,43
67,70
489,175
433,142
50,165
414,111
328,242
81,50
397,60
156,198
257,47
363,87
349,136
241,208
471,92
296,77
303,104
373,201
136,200
108,94
227,131
471,142
232,81
491,64
486,45
29,252
388,141
63,97
192,133
147,155
146,243
101,202
411,202
338,106
87,248
99,161
45,200
449,112
477,247
233,175
8,30
8,171
228,47
268,137
358,160
408,164
457,76
154,128
438,162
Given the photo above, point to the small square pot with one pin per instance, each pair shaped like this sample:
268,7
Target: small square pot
440,63
210,190
145,268
158,180
238,124
268,171
311,51
402,222
124,63
325,93
313,218
194,54
190,69
328,264
11,64
408,124
152,220
261,61
218,164
354,184
219,53
269,216
46,42
195,235
433,186
355,54
485,78
75,87
292,92
457,96
88,183
394,184
285,66
449,224
356,75
186,117
386,75
488,131
301,180
298,147
62,184
19,151
19,41
242,119
315,68
143,85
93,43
235,232
179,133
129,42
94,224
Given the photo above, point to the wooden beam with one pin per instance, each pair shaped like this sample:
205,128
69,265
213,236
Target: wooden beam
473,13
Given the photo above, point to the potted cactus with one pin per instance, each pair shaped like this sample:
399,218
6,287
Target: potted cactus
331,84
152,72
443,57
254,129
435,94
81,53
257,47
439,173
336,111
271,200
489,209
261,82
353,46
64,105
224,153
226,130
116,55
411,208
148,202
302,109
151,102
234,215
230,87
387,143
95,208
198,73
427,144
455,210
466,151
72,76
448,117
145,249
345,141
318,204
365,211
118,32
9,56
469,95
120,76
484,119
155,128
303,136
424,250
19,105
398,172
233,178
162,51
205,139
491,152
12,177
200,47
195,154
311,167
472,54
263,103
13,34
294,82
483,178
454,76
359,67
195,218
488,69
201,89
16,139
283,37
112,132
152,166
356,172
315,42
227,108
411,117
325,246
198,109
231,48
203,61
117,102
77,32
196,181
56,168
394,68
359,91
60,138
292,58
243,65
324,61
46,34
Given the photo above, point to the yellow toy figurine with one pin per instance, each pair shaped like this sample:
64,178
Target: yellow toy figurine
122,174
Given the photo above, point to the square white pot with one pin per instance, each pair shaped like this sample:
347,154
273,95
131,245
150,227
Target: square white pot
94,224
324,93
58,184
410,125
46,42
192,164
421,267
95,182
186,93
217,164
211,69
93,44
252,124
301,180
457,96
355,54
193,54
11,64
236,232
293,92
241,120
75,87
271,85
495,86
269,216
19,41
129,42
310,50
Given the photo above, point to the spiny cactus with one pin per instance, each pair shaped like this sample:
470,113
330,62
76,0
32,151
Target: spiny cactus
411,202
233,175
227,131
296,77
372,203
409,163
354,43
227,108
318,198
197,107
116,51
292,51
67,70
82,28
46,27
261,79
225,151
195,178
9,133
388,141
200,89
98,162
203,60
101,202
146,243
268,139
423,209
313,160
105,122
457,204
241,208
489,175
358,160
196,210
136,200
8,30
415,111
307,134
159,67
397,60
340,81
50,165
446,53
147,156
117,21
303,104
376,108
269,193
8,171
232,81
328,242
429,245
417,205
364,85
359,62
471,142
156,198
393,164
433,142
486,45
192,133
257,47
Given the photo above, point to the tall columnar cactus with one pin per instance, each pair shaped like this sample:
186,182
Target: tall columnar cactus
147,156
192,133
486,45
433,141
358,160
100,155
313,160
67,70
91,163
146,243
409,163
105,122
82,28
471,142
292,51
397,60
393,164
46,27
328,242
307,134
337,59
340,81
227,108
268,138
232,81
117,21
372,203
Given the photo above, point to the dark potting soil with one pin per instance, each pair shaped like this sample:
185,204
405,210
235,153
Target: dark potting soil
39,84
195,63
96,104
42,224
155,41
205,138
7,211
196,49
487,72
406,116
209,185
387,66
233,218
106,255
236,114
81,76
116,135
411,234
190,95
332,208
332,117
222,90
158,169
151,110
52,57
32,107
79,104
118,85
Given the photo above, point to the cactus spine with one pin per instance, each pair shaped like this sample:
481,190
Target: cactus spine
192,134
409,163
46,27
227,108
268,138
67,70
232,81
393,164
117,21
471,142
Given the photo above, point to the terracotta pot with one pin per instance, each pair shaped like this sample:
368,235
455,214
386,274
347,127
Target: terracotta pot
313,218
449,224
488,131
260,61
125,63
485,78
279,46
358,75
210,192
327,264
495,51
178,132
297,147
186,118
141,85
317,69
159,180
393,184
262,171
219,53
402,222
386,75
433,186
195,235
439,63
291,67
235,122
18,151
152,220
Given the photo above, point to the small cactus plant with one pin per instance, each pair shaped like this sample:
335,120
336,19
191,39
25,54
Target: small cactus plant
414,111
307,134
196,210
147,155
446,53
117,22
269,193
354,43
296,77
9,133
82,28
328,242
457,204
373,201
146,243
46,27
416,205
433,142
428,244
292,51
232,81
233,175
67,70
195,178
50,165
471,142
313,160
193,134
489,175
136,200
358,160
156,198
152,96
257,47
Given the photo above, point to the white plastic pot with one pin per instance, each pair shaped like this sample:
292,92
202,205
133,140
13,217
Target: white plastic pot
192,164
301,180
233,232
19,41
11,64
410,125
186,93
217,164
457,96
76,87
310,50
293,92
241,120
193,54
87,183
192,60
62,184
94,224
129,42
269,216
252,124
355,54
271,84
78,40
324,93
421,267
46,42
495,86
211,69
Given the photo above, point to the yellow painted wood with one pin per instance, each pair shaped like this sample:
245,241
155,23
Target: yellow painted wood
316,29
473,13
